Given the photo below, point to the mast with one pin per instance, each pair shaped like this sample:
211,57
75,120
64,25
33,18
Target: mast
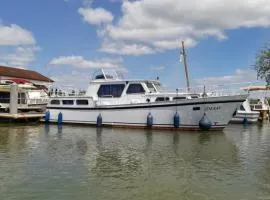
186,68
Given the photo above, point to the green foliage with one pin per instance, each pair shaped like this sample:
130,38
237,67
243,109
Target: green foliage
262,65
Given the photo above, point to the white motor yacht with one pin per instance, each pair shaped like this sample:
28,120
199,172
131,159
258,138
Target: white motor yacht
112,101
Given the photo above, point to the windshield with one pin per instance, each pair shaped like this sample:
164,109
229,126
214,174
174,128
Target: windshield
160,88
150,87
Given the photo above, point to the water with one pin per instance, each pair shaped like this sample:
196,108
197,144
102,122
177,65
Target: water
40,162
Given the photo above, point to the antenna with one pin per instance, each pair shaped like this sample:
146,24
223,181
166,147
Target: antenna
186,68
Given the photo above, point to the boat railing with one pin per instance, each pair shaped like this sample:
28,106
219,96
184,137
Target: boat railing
66,93
24,102
221,89
212,91
37,101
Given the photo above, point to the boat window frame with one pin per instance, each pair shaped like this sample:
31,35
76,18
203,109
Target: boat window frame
79,104
22,98
55,103
162,99
110,95
67,100
6,99
179,98
147,83
194,96
130,84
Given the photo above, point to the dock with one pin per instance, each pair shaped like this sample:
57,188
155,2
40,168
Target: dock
21,116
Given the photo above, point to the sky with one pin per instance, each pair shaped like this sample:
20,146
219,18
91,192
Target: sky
68,40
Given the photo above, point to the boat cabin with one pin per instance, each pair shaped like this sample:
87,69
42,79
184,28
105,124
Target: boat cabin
109,89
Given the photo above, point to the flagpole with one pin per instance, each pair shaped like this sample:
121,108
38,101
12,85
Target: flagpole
186,68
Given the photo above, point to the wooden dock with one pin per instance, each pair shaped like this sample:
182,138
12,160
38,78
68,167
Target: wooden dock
21,116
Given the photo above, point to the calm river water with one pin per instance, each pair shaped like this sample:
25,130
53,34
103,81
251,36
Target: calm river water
45,162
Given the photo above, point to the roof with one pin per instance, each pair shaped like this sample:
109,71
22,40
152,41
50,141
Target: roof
123,80
255,88
23,73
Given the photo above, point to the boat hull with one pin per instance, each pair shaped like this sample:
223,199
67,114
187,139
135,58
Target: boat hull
218,109
251,117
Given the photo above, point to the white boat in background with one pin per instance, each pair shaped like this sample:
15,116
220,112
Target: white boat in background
245,115
260,104
30,97
111,101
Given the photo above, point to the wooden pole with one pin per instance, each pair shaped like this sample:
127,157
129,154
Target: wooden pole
186,68
13,102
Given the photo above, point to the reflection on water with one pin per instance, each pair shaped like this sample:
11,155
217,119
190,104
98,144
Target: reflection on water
66,162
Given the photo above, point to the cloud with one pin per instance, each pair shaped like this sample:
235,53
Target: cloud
17,46
78,78
95,16
14,35
82,63
162,25
158,68
84,2
20,56
240,76
71,81
126,49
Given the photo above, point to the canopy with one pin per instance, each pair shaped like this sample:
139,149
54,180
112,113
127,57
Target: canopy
19,80
256,88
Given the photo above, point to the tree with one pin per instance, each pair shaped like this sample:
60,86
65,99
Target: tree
262,64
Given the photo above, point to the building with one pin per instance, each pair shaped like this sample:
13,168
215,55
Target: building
29,75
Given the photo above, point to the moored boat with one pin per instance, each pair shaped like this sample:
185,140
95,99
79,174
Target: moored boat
260,104
111,101
245,115
30,97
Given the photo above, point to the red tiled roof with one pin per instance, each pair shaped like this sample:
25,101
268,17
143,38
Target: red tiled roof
23,73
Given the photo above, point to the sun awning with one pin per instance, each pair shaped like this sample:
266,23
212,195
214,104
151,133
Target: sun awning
255,88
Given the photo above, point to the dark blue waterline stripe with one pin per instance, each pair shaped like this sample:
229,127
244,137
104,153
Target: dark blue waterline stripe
143,106
130,123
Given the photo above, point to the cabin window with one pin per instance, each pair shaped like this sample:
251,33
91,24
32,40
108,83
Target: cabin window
114,90
4,97
179,98
162,99
21,98
194,97
82,102
101,76
55,102
242,108
135,88
150,87
196,108
68,102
